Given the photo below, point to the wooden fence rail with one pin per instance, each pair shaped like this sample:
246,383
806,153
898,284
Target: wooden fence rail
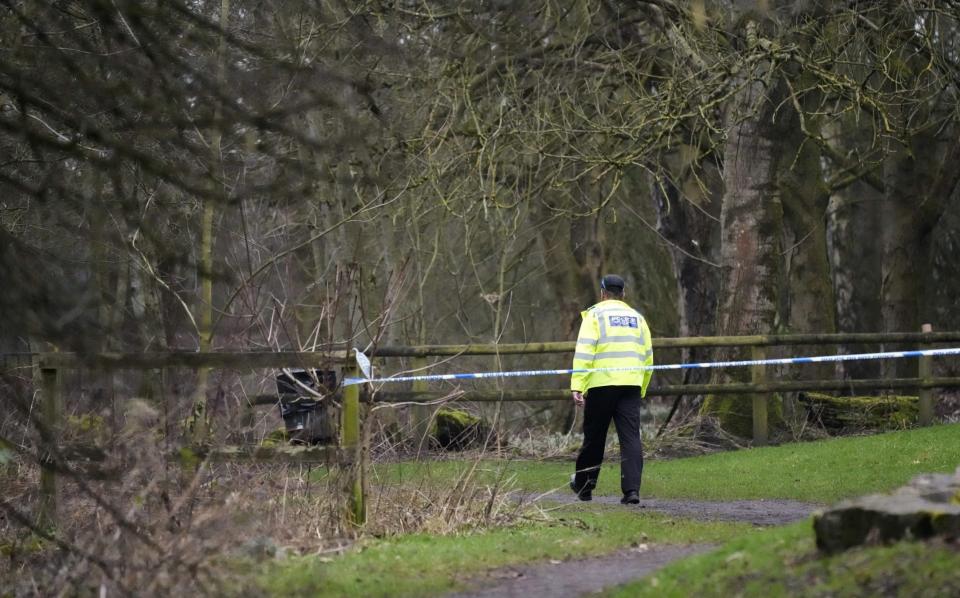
764,340
49,367
193,360
744,388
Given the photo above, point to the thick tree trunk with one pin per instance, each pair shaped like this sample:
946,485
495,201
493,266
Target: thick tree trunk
853,225
808,305
574,259
688,216
751,220
917,185
901,240
853,219
944,276
751,228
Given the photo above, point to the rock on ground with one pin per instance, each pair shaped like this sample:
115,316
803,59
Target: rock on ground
929,506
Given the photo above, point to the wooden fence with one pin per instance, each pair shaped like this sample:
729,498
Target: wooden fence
757,387
49,368
350,453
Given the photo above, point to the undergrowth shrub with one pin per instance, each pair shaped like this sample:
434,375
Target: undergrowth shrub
139,522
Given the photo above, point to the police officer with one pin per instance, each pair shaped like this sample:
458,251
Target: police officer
612,335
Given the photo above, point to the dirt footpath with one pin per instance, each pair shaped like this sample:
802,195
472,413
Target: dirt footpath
563,579
559,579
757,512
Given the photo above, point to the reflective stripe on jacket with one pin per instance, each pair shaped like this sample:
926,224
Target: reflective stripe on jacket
612,335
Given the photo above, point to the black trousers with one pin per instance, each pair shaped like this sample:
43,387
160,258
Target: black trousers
603,403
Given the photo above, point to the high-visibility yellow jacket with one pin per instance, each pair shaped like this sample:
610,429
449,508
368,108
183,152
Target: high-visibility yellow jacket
612,335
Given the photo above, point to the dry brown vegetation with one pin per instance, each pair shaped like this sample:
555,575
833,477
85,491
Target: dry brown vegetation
159,526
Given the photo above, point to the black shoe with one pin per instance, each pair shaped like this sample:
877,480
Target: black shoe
630,498
585,493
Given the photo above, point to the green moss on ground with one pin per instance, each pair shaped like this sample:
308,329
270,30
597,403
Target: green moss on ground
457,429
278,437
784,562
22,546
86,428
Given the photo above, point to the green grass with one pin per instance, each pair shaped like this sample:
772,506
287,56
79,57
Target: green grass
823,471
421,564
784,562
752,562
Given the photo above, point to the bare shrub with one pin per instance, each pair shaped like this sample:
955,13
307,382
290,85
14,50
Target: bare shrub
160,526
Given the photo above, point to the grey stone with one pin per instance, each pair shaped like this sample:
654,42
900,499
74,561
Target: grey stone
928,506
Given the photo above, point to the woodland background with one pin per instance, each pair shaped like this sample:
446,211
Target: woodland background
287,175
293,175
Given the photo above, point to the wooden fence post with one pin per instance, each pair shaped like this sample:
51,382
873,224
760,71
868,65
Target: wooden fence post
50,410
422,414
350,441
925,372
759,376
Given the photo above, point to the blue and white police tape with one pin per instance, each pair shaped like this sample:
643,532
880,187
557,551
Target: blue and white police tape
671,366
